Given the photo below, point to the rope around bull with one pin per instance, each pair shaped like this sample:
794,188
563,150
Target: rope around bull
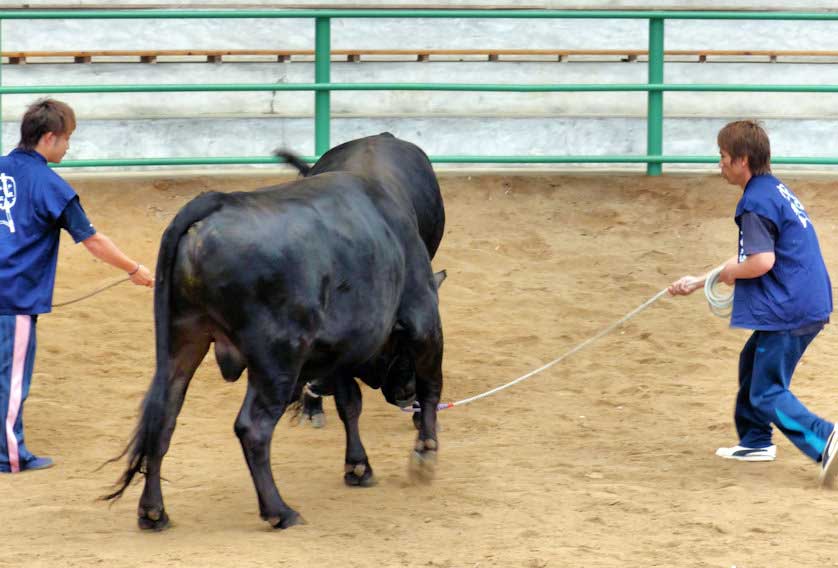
720,306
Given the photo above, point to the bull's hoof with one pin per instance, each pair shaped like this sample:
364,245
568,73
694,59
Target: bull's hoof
287,521
422,466
359,475
318,420
153,520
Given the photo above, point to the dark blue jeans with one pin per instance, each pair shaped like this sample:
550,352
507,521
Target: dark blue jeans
766,365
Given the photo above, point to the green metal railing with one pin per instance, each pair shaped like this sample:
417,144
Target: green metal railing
322,85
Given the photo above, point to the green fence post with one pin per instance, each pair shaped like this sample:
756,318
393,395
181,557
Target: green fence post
322,99
654,114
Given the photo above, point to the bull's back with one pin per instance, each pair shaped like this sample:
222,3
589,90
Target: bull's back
401,167
313,259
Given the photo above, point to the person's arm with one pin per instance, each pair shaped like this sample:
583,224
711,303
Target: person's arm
688,284
753,266
103,248
759,236
74,220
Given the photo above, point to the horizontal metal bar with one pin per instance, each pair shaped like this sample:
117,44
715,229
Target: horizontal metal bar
392,13
231,160
468,87
826,160
454,159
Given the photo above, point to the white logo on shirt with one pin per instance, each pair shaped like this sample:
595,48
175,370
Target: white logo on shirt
795,204
742,255
8,196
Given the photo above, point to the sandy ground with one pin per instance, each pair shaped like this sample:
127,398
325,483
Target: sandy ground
603,460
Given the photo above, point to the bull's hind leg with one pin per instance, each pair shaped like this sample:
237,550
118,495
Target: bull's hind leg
357,470
313,409
267,397
428,353
185,358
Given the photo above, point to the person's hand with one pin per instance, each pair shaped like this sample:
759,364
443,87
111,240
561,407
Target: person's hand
726,275
684,286
141,276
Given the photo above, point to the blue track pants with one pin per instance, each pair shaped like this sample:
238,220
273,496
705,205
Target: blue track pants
766,365
17,358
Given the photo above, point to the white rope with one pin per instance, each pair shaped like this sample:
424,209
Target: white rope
93,293
720,304
555,361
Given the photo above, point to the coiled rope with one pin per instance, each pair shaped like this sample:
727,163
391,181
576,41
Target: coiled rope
720,304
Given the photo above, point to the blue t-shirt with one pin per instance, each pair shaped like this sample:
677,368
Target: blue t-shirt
797,291
758,233
33,199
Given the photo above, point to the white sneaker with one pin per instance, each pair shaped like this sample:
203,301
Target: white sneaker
742,453
829,463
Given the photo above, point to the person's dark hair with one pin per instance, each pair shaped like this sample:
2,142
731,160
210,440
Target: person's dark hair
42,116
747,138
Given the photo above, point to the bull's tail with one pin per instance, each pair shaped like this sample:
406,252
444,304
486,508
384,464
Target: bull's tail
295,160
146,440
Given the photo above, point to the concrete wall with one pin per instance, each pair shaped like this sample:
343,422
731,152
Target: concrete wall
437,136
237,124
418,103
240,124
414,33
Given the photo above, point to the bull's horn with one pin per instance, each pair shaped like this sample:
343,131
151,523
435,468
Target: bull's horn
439,278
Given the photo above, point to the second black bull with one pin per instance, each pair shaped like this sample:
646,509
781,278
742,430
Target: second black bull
316,278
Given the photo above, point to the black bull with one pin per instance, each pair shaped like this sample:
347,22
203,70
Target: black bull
384,157
304,279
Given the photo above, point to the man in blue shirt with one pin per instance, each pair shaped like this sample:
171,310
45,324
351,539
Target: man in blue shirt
783,293
35,204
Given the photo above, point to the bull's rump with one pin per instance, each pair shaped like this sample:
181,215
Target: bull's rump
314,262
403,169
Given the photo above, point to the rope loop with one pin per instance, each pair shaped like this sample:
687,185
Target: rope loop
720,304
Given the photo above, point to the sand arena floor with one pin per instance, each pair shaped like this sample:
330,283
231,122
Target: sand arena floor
604,460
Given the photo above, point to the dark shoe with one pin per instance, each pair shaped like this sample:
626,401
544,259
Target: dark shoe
37,463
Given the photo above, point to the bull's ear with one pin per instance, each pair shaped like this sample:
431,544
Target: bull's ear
439,278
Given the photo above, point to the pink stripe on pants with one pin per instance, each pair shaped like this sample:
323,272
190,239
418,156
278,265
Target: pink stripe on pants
23,326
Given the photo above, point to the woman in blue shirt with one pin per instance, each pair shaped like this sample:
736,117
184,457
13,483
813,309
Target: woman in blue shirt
35,204
782,292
